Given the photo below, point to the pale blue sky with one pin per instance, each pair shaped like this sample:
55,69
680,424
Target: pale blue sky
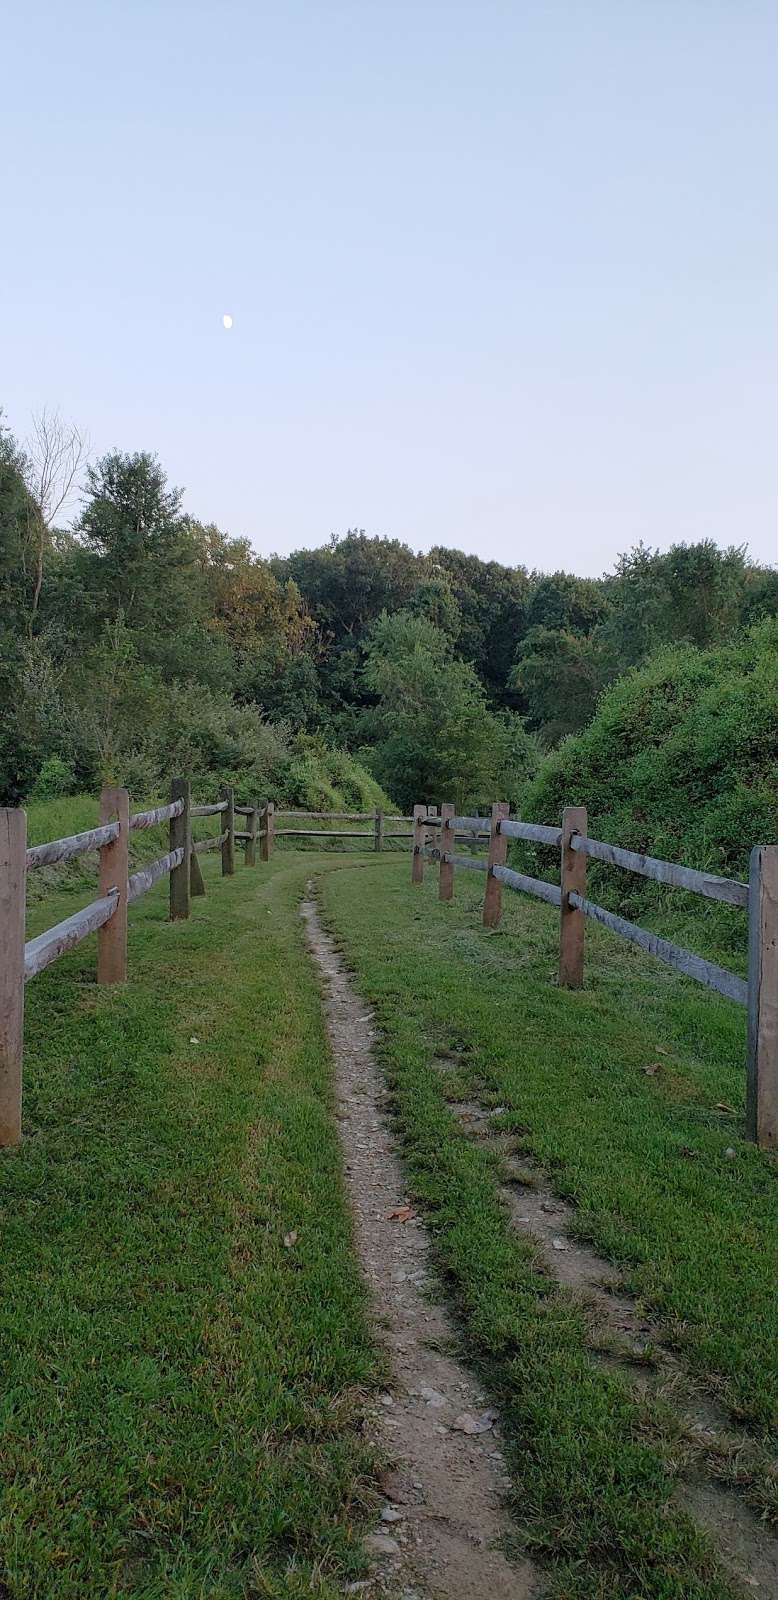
503,275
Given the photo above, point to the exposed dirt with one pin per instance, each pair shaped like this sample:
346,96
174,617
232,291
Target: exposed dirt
628,1340
444,1519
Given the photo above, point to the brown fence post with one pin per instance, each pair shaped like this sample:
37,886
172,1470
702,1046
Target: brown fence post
114,872
379,829
762,1087
251,843
447,847
431,834
498,851
181,839
13,875
228,818
571,920
196,880
417,845
268,836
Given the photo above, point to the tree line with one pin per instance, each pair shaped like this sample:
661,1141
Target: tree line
140,638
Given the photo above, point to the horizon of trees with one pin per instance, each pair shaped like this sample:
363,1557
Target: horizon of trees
140,630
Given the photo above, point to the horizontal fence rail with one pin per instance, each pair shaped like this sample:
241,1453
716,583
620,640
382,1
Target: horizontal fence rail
536,886
152,819
673,955
39,953
375,837
668,872
77,844
471,863
106,915
214,843
534,832
434,835
148,876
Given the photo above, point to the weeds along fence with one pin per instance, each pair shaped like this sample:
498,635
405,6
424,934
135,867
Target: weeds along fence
758,898
21,959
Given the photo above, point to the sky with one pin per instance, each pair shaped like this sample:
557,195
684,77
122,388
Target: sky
503,275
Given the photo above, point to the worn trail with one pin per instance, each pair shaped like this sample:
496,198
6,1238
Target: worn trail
623,1335
444,1520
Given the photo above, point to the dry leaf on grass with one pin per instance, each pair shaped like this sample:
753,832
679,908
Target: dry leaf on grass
290,1239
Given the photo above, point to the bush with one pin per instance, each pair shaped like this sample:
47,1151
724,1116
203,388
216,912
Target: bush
681,758
56,777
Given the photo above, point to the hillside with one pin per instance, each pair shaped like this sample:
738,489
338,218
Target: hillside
681,757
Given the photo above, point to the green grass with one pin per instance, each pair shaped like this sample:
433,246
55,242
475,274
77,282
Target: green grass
181,1393
642,1157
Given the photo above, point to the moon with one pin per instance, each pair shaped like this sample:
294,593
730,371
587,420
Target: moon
227,320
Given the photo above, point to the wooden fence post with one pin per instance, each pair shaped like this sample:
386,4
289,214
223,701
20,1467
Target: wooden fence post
196,881
379,829
13,875
228,818
114,872
498,851
181,839
268,836
430,834
571,920
447,846
762,1086
417,859
251,843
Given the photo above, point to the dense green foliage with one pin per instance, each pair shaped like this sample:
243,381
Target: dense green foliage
681,758
155,645
143,640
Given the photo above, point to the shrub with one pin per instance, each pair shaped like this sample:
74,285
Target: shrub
681,757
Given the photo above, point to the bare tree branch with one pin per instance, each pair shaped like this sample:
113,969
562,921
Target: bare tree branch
56,454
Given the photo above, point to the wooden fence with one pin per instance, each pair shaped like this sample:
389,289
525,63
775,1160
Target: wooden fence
21,960
375,835
759,898
117,889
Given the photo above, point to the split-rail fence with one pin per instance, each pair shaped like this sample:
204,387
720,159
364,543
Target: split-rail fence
21,960
759,898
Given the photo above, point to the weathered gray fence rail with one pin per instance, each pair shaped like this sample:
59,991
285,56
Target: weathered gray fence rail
21,959
375,836
433,840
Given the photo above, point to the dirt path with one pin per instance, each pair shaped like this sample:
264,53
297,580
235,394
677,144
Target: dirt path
444,1518
623,1335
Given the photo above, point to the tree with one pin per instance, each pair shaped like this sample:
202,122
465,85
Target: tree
558,676
141,554
432,734
492,601
55,457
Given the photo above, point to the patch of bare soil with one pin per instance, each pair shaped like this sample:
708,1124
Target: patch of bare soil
624,1338
444,1519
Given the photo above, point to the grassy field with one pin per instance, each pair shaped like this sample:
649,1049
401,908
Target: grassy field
181,1391
643,1157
